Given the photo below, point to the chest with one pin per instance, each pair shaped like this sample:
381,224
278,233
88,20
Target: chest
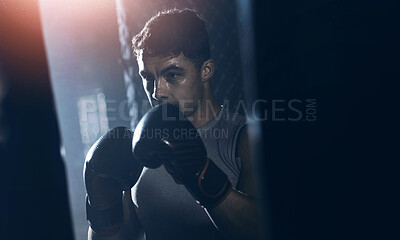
167,210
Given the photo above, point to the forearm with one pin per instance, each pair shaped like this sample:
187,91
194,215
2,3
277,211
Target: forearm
129,229
237,216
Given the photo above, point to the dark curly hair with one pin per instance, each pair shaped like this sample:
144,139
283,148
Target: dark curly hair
174,32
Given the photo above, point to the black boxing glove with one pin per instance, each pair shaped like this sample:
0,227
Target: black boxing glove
109,169
165,136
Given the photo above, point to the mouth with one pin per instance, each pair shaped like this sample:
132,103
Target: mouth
159,102
155,103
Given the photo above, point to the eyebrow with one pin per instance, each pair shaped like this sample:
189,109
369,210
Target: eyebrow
171,67
143,73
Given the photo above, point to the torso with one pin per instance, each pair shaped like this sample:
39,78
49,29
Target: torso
166,209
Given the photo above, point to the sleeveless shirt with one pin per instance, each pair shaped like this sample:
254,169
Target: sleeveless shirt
166,209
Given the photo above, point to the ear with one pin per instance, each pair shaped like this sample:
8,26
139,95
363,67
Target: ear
207,70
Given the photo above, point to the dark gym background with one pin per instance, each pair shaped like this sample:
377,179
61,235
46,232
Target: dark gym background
331,178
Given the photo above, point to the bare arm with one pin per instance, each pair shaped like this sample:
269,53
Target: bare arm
237,215
130,228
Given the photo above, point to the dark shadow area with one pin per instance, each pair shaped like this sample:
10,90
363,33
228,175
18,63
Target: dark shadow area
34,202
331,178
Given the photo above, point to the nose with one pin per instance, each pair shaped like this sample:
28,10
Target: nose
160,90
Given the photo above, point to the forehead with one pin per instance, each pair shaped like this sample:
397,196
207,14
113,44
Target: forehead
158,63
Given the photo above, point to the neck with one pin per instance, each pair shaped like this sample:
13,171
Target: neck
207,110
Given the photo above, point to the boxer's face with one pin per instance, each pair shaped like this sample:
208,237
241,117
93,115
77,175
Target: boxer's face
171,79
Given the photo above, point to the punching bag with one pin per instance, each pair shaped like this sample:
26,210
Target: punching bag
34,200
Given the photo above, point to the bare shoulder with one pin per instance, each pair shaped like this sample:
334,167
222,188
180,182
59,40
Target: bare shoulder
246,177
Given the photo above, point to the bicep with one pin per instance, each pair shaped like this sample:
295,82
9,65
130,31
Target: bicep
246,178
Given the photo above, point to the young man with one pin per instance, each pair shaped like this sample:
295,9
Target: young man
174,61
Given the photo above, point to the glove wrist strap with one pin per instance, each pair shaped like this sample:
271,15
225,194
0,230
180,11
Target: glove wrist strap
99,220
213,185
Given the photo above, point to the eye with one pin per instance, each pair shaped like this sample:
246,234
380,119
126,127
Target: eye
171,76
146,78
